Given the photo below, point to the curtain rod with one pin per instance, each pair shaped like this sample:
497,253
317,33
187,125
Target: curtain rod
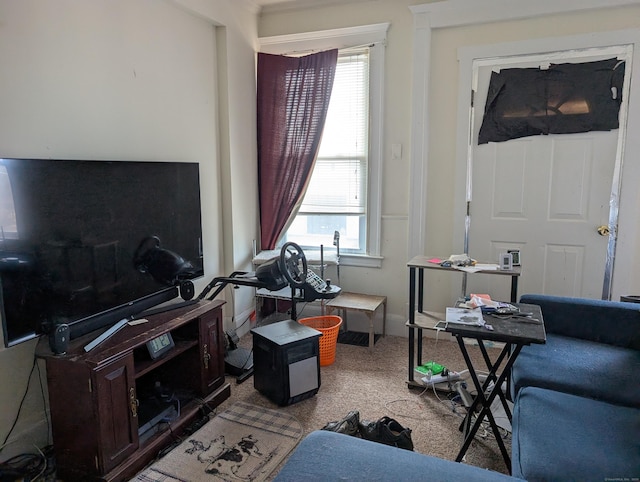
300,53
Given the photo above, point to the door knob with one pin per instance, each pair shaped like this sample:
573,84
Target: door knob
604,230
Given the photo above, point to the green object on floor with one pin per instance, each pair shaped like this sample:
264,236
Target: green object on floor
430,367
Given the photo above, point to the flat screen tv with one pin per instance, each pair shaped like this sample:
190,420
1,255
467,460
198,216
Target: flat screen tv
69,231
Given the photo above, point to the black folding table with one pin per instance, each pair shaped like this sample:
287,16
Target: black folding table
514,332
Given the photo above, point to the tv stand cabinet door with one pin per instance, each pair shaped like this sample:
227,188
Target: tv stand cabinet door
212,350
116,407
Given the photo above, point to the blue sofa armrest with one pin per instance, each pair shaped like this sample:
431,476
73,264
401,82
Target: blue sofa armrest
324,456
611,322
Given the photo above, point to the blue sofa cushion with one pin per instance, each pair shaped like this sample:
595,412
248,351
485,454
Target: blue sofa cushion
324,455
610,322
580,367
557,436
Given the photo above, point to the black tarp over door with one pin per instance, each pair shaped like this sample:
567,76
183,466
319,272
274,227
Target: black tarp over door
563,99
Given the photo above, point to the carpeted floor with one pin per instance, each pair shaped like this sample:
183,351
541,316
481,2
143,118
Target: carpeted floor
374,383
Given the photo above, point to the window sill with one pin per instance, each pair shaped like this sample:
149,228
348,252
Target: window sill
361,260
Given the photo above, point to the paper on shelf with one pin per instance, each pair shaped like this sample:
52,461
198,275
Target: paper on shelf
478,267
464,316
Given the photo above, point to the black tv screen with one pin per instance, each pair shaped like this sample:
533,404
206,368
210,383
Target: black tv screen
69,231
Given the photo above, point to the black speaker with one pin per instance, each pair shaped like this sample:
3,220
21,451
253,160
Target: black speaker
59,339
187,290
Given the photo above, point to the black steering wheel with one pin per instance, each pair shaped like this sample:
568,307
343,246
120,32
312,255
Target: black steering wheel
293,263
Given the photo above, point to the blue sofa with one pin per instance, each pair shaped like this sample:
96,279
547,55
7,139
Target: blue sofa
324,456
592,350
576,413
577,398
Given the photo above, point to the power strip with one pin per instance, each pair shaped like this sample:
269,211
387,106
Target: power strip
437,379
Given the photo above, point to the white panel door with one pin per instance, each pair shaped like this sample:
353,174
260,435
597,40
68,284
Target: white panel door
544,195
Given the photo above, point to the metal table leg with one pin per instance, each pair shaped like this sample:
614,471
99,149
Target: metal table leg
484,402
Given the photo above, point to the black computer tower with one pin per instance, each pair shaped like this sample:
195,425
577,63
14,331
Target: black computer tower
286,361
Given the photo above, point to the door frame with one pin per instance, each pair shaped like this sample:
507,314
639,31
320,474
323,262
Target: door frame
472,59
454,13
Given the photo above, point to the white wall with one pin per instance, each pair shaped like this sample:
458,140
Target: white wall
137,80
236,45
439,216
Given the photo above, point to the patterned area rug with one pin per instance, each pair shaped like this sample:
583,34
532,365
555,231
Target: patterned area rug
244,443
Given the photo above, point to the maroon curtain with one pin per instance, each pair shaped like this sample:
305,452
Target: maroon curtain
293,98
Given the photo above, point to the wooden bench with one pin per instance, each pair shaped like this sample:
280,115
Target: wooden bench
367,304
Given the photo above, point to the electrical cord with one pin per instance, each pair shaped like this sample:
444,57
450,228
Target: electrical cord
29,467
397,414
44,465
244,322
249,357
420,407
24,397
169,419
301,310
190,429
210,411
485,425
44,404
233,303
455,408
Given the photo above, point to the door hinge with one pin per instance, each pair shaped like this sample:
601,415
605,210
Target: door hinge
473,96
90,386
468,208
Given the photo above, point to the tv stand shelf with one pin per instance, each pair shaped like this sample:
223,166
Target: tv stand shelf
97,398
144,366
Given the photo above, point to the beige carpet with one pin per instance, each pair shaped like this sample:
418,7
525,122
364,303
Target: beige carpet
374,383
244,443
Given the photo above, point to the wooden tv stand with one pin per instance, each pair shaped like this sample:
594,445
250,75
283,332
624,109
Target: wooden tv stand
111,407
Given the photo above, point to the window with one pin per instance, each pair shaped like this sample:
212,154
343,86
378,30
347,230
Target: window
336,198
360,231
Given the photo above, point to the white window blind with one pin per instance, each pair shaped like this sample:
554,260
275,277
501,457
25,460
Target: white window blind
339,181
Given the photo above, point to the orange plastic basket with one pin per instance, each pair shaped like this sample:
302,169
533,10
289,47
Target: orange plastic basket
329,326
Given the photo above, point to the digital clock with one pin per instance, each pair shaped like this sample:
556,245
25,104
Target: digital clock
160,345
515,256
